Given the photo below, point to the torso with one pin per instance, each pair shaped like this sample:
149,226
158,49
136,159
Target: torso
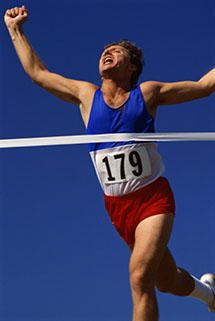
115,101
128,114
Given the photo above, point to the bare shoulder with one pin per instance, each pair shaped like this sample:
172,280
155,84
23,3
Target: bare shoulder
150,91
86,94
150,88
86,89
71,90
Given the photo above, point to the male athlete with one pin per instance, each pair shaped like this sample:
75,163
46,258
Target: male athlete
138,198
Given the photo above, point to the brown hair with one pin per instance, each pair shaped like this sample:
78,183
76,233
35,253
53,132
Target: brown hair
136,56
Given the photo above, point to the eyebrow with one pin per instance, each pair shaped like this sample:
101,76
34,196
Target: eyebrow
112,48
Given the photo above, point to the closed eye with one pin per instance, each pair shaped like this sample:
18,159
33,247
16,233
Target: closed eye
116,50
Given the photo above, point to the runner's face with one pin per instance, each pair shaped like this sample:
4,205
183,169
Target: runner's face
114,57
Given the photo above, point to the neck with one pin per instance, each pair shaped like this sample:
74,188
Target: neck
112,87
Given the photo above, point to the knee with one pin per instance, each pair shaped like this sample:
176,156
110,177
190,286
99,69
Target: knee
141,281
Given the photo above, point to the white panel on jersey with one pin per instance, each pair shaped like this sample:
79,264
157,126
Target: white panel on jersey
122,166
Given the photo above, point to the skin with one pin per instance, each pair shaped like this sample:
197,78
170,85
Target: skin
151,262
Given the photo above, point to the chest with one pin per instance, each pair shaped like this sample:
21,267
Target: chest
129,117
115,102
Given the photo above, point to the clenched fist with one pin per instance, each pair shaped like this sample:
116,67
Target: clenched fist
16,16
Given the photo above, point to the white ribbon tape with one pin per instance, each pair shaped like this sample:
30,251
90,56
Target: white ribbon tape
83,139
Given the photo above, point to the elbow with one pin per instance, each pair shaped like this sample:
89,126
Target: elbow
35,80
206,89
37,76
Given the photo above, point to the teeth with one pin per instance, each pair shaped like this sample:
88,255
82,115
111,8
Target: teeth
108,60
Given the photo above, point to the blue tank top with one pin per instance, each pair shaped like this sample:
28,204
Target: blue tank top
131,117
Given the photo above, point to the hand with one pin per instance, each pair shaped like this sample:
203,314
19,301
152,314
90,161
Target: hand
16,16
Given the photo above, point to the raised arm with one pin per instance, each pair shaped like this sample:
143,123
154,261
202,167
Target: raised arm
78,92
158,93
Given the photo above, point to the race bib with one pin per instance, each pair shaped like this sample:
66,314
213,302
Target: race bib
123,165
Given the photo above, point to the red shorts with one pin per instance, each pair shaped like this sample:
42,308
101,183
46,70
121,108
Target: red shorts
127,211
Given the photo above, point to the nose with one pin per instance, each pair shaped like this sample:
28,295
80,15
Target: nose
106,52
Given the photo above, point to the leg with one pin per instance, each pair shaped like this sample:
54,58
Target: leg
177,281
173,279
151,238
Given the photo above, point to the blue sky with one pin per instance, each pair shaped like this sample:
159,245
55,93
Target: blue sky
60,257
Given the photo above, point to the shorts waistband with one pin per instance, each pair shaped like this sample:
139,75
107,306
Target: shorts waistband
138,192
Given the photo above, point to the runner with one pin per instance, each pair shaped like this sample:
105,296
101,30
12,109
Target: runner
138,198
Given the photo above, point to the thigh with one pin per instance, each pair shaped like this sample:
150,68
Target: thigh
151,238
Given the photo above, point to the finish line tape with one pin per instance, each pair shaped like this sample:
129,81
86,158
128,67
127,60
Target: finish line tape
84,139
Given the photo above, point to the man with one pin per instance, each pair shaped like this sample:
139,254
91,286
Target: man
138,199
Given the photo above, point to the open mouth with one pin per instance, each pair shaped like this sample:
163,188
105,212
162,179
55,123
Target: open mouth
108,60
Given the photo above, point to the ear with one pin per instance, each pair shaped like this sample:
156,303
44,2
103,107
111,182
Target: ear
132,67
